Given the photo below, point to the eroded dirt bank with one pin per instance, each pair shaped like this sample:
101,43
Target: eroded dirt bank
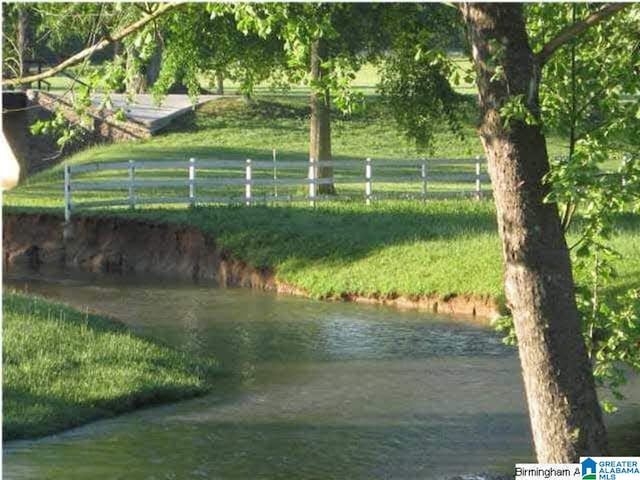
121,246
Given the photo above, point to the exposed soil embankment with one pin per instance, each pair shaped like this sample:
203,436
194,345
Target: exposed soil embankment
122,246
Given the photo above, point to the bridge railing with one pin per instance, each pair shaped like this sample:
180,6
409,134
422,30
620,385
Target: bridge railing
201,176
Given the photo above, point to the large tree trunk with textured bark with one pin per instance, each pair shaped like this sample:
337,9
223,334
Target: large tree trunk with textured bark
565,415
320,138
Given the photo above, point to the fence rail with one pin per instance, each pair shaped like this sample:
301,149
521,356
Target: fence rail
367,173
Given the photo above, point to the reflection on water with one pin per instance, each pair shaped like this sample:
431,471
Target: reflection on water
319,390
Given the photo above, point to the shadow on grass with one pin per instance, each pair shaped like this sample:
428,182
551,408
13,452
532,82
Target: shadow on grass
623,222
269,109
265,236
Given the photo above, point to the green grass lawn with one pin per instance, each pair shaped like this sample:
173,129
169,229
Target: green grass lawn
391,247
63,368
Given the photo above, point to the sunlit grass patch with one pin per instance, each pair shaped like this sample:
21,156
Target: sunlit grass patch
63,368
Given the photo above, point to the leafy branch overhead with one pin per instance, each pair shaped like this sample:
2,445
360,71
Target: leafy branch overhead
576,29
101,45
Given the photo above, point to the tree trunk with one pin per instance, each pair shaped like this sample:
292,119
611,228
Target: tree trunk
136,81
320,129
117,46
219,83
22,43
565,415
152,69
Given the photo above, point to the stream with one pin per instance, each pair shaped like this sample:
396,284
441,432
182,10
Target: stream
317,390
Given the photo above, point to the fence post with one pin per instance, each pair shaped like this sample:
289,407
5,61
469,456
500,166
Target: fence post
247,187
132,177
478,191
275,174
423,176
312,182
67,193
367,180
192,182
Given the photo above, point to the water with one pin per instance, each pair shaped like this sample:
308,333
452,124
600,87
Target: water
317,391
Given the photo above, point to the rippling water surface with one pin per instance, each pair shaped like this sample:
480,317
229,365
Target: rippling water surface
317,391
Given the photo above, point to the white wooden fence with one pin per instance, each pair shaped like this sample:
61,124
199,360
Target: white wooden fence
424,176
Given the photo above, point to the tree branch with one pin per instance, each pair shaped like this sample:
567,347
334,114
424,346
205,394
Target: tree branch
577,29
87,52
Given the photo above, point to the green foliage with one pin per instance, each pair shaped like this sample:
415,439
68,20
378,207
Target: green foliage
611,338
610,319
198,43
350,31
105,78
57,126
53,31
63,368
504,325
63,28
59,30
416,74
590,87
516,109
420,96
179,65
11,54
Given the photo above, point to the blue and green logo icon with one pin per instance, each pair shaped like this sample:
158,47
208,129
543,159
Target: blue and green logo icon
589,469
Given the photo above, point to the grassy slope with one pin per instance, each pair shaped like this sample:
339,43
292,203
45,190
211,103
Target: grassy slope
63,368
395,247
407,247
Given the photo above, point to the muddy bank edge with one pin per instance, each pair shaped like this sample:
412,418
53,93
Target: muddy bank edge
123,246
